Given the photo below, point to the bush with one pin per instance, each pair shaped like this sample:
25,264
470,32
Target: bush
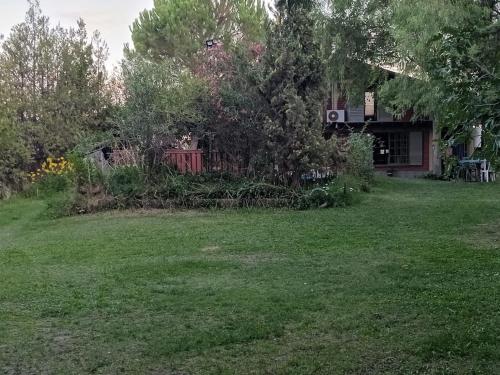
61,204
86,171
55,175
215,190
256,190
320,197
359,157
126,182
53,184
343,191
128,187
14,158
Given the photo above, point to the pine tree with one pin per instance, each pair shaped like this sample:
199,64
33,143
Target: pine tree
53,80
179,29
294,87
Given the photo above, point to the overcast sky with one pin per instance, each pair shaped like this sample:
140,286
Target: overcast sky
111,17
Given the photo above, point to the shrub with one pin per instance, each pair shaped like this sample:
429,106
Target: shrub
14,158
86,172
128,187
359,157
126,182
256,190
352,183
343,191
54,184
321,197
55,175
61,204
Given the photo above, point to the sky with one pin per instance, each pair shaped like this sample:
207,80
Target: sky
111,17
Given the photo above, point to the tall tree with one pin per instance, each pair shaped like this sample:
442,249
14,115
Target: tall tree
53,78
449,51
357,41
237,106
161,104
294,88
14,154
179,28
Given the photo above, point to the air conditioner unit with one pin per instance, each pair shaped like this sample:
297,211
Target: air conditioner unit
334,116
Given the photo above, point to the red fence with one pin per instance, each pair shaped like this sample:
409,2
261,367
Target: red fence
215,161
186,161
198,161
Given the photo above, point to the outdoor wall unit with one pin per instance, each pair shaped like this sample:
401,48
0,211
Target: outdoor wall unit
335,116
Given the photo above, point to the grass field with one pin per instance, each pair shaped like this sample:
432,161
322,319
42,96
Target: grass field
406,282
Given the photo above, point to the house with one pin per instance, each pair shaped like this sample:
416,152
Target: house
402,146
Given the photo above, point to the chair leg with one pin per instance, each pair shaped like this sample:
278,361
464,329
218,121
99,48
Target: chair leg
484,176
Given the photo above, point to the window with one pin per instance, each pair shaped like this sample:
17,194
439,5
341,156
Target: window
399,150
370,106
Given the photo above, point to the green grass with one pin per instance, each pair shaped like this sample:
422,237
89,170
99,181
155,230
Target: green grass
407,282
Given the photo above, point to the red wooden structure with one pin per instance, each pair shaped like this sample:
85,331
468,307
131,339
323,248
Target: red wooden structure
186,161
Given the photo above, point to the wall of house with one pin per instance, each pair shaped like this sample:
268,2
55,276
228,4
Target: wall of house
428,160
419,157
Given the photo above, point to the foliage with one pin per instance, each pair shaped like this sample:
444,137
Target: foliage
50,184
53,79
179,29
126,187
353,184
342,191
126,182
60,203
129,187
162,104
14,157
52,167
86,172
357,40
239,111
55,175
359,156
217,107
446,51
454,66
293,85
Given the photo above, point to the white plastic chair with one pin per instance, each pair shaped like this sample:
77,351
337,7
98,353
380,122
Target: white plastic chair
485,171
493,175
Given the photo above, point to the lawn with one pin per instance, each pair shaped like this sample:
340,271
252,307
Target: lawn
406,282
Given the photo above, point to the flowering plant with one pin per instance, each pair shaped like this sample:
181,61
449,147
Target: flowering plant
52,167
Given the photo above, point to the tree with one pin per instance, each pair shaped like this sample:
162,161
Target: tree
14,155
162,103
293,85
239,110
449,53
180,28
53,79
358,41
